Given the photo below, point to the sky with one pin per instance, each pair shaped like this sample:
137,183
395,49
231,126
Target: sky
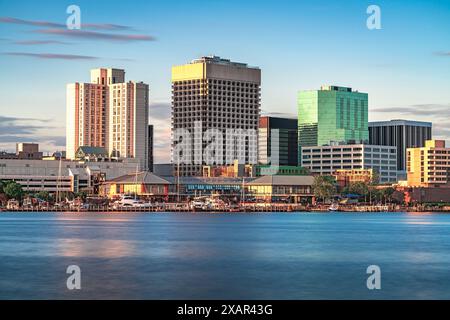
299,45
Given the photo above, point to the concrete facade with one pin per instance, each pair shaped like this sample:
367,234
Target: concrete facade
326,160
218,94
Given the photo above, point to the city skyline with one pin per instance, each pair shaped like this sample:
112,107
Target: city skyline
403,80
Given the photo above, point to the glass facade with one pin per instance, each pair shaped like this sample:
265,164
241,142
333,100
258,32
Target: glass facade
286,145
332,114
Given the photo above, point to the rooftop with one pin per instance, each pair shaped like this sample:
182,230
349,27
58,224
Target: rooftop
218,60
283,181
335,88
400,122
143,177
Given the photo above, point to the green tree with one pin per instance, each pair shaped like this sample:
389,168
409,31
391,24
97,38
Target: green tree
13,190
2,185
385,194
324,187
43,195
360,188
81,194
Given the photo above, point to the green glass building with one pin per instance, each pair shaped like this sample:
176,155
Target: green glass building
332,115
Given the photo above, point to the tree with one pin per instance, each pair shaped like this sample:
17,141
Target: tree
359,188
324,187
13,190
385,194
81,194
2,185
43,195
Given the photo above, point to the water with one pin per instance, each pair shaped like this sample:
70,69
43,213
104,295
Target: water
224,256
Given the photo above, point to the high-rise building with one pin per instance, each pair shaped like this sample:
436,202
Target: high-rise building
429,166
128,121
150,147
402,134
218,94
108,112
332,114
284,142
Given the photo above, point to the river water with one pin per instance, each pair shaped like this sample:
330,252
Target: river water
224,256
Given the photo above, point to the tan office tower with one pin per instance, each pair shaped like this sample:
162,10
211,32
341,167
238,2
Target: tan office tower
90,117
128,121
217,94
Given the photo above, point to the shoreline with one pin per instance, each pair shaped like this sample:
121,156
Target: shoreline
268,209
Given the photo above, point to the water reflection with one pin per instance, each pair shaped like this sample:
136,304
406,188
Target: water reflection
86,248
225,256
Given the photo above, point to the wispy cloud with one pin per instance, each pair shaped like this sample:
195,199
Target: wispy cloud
16,125
49,24
39,42
105,26
93,35
16,129
418,109
35,23
160,110
55,56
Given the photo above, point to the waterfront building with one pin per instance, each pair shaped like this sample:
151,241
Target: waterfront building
429,166
110,113
402,134
284,143
415,195
142,183
332,115
326,160
295,189
219,94
345,177
64,175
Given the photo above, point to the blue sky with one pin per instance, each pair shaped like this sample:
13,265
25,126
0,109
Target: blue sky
405,66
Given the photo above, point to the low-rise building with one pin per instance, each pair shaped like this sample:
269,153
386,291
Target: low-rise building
28,151
293,189
287,188
63,175
142,183
429,166
345,177
326,160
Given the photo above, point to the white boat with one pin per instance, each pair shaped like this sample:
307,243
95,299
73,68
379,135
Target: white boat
334,207
131,201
